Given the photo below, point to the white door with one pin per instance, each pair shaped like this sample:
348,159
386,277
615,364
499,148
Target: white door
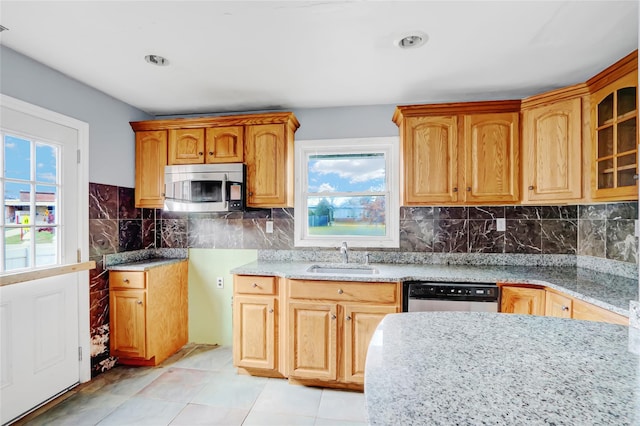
43,322
39,348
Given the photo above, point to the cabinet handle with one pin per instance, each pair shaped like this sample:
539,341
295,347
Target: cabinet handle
333,316
565,308
210,152
125,280
455,189
250,193
200,153
531,187
340,291
349,318
254,285
139,302
270,311
468,189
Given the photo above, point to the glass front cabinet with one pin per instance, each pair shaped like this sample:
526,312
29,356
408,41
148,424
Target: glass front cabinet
615,124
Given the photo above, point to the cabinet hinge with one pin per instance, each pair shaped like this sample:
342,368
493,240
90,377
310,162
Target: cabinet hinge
79,353
79,253
78,151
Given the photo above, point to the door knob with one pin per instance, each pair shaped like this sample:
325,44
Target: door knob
200,153
349,318
333,316
468,189
340,291
210,152
126,280
139,302
565,308
530,187
455,189
270,311
254,285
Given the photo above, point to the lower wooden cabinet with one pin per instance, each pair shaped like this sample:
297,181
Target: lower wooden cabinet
321,334
255,321
148,313
557,305
522,300
527,299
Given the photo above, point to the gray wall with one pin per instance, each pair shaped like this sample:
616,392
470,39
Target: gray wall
111,140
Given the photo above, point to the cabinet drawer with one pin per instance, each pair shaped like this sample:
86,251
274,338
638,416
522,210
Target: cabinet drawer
344,291
249,284
126,279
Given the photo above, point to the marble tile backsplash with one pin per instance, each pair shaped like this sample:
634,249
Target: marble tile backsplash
604,231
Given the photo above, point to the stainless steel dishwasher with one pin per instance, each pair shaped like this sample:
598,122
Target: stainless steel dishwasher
448,296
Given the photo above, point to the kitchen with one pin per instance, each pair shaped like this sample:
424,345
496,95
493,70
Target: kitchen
112,136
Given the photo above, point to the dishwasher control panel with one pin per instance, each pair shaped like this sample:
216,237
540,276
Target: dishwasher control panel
468,292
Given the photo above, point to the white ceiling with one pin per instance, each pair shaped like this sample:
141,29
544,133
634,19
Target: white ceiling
241,56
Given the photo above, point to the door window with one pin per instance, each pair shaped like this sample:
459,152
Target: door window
30,185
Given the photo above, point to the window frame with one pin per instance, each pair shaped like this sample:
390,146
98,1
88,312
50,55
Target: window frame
390,147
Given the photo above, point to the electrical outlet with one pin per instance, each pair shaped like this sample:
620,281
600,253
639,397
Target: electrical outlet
501,224
220,282
269,227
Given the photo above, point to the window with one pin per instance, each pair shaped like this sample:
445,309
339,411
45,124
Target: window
347,190
30,186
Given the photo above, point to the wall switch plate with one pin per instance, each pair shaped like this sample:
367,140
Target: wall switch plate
637,231
220,282
501,224
269,227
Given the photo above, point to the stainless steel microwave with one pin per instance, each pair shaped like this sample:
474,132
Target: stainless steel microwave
205,187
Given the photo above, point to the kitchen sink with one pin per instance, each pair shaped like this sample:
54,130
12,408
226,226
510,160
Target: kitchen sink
342,269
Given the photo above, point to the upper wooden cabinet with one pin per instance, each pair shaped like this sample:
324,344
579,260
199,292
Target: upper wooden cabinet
614,124
462,152
552,147
225,144
186,146
151,157
264,142
211,145
429,159
269,158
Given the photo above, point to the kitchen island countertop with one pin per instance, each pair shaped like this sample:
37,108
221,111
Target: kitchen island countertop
441,368
611,292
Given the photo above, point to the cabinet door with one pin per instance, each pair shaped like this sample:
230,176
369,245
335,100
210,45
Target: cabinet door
312,352
186,146
614,118
266,157
587,311
557,305
522,300
127,312
254,337
552,152
225,144
429,160
151,157
360,321
491,157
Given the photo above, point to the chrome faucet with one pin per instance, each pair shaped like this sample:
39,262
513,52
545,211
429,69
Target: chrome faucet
344,250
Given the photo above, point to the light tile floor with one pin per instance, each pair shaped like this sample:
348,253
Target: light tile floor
198,386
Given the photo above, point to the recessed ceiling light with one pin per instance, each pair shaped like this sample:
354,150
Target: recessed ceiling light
411,40
156,60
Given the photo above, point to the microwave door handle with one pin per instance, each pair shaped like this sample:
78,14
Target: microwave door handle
224,191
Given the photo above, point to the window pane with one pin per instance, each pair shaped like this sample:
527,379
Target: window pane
17,202
605,110
46,246
17,248
626,100
358,216
17,158
627,135
605,142
46,201
346,173
46,163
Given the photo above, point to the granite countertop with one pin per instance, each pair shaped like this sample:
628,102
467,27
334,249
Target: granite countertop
608,291
143,265
482,368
